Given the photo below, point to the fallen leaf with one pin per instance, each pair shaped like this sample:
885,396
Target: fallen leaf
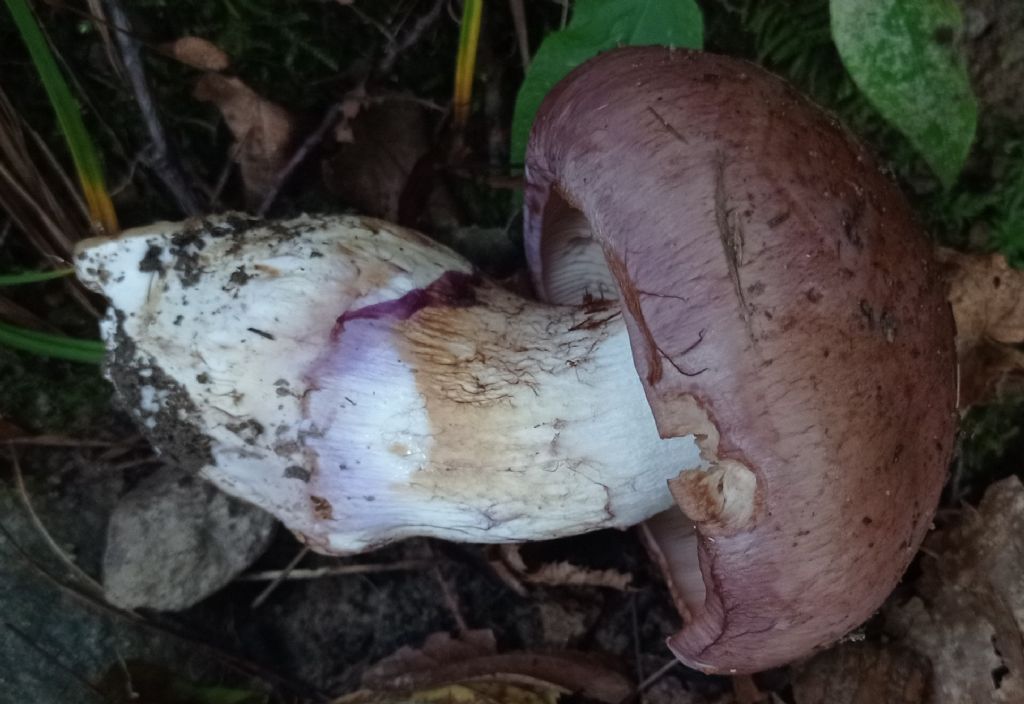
746,690
174,540
437,649
480,693
377,150
562,573
863,673
990,371
987,297
968,619
351,106
262,130
562,623
472,660
197,53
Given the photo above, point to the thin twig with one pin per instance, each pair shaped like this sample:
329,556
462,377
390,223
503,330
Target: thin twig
453,12
77,87
71,191
13,313
76,571
213,197
100,23
283,575
650,681
327,122
336,571
638,663
397,46
137,462
393,97
58,441
522,37
451,601
129,688
162,159
376,24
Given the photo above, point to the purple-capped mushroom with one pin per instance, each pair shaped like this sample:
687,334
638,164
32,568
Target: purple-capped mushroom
783,308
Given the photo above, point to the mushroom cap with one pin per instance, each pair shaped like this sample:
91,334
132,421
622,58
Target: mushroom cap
783,305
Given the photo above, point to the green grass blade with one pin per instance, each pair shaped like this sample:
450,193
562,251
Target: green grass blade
49,338
465,60
33,277
87,163
45,344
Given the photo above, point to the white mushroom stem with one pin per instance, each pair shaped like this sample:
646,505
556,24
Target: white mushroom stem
363,384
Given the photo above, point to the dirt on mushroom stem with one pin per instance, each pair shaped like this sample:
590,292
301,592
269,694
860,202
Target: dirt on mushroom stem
364,384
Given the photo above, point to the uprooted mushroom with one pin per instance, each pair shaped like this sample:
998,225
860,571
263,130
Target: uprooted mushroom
741,321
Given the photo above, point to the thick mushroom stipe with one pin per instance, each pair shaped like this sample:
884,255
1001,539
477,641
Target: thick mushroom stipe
782,306
364,384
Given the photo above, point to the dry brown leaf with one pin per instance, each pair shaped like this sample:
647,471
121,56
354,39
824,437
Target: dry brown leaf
990,371
197,53
568,574
438,649
987,297
863,673
472,660
561,574
262,130
475,693
377,150
351,107
969,617
562,623
746,691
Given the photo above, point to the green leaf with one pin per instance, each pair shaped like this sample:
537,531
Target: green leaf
598,25
465,60
1008,225
47,345
903,57
33,277
83,153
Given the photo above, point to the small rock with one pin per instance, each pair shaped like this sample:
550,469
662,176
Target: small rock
174,539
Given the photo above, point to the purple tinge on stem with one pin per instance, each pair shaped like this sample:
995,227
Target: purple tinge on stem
453,289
